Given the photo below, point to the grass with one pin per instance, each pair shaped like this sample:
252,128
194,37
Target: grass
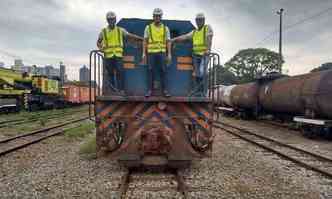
85,132
88,148
79,132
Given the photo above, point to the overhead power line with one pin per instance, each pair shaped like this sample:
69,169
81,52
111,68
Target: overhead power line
290,26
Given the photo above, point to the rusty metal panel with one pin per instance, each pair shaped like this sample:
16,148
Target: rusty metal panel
245,95
128,65
282,95
309,94
184,66
317,94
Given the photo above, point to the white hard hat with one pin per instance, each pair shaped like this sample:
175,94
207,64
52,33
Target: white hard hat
157,11
200,16
110,15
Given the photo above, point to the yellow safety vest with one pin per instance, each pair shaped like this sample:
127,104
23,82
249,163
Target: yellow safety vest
199,41
112,42
157,38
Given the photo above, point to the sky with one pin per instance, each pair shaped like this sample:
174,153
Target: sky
49,31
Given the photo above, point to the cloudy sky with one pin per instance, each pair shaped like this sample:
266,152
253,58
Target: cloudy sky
48,31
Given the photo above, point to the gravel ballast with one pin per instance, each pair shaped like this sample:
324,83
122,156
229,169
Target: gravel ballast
54,169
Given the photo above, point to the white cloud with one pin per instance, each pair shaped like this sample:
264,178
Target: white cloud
49,31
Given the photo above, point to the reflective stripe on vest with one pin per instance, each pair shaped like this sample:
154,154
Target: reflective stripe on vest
157,38
199,41
113,42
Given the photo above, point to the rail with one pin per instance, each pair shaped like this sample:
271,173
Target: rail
126,179
301,157
9,145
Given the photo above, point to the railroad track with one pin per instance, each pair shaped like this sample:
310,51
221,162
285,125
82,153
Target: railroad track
271,123
170,175
33,115
9,123
306,159
15,143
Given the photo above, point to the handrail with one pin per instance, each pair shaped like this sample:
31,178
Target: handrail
209,79
95,61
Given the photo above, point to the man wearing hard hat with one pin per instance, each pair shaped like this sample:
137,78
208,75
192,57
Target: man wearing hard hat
110,41
155,46
201,40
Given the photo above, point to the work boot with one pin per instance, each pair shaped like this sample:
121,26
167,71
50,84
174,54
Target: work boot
148,94
122,92
166,94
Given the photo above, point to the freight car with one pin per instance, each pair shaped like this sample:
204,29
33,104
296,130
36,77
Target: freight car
77,93
136,130
305,98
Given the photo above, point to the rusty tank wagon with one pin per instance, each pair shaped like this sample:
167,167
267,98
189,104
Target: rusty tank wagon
306,98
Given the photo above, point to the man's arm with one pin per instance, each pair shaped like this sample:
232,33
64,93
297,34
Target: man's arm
209,37
131,35
100,41
168,46
135,36
183,37
145,44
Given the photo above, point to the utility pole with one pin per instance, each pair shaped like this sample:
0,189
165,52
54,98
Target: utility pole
280,12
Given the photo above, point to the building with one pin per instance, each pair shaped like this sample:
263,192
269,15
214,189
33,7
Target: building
18,63
62,73
51,72
84,74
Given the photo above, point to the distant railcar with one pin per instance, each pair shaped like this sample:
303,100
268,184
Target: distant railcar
71,93
77,93
85,94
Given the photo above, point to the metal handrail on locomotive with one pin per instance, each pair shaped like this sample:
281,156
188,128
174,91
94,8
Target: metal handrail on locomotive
137,130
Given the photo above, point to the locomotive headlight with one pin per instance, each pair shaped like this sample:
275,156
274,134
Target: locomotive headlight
162,105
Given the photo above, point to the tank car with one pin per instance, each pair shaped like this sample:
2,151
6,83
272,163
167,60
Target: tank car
156,130
306,99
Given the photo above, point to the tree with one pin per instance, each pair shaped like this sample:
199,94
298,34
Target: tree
250,63
325,66
224,76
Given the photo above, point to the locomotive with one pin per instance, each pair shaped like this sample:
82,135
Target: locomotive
305,99
136,130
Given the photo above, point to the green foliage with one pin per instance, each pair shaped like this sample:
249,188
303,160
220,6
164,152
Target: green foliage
79,132
89,146
325,66
249,63
225,77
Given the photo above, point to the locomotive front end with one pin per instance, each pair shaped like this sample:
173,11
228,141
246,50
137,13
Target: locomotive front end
154,132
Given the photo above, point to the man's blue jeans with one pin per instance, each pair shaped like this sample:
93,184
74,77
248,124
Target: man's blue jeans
200,64
115,72
157,66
